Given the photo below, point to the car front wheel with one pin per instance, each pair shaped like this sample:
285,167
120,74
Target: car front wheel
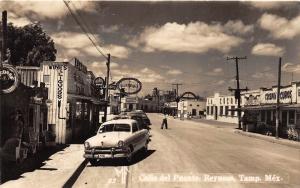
145,149
129,155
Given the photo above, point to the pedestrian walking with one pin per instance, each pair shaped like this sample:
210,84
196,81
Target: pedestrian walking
164,122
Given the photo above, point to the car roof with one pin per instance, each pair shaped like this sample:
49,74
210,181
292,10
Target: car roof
121,121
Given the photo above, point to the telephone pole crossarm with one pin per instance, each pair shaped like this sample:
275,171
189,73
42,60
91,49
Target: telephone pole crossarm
238,90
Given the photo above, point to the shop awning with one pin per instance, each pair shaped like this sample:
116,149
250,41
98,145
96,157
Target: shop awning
292,106
263,107
92,99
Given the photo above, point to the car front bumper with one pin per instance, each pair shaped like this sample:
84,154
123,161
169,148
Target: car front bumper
95,153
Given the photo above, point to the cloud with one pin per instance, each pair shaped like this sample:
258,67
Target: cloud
109,29
17,20
267,49
174,72
215,72
290,67
238,27
72,42
195,37
118,51
45,9
220,82
265,5
71,39
145,75
264,75
280,27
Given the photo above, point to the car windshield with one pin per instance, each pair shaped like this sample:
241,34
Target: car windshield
115,128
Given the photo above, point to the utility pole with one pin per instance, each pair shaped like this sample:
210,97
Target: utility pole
237,91
177,93
278,97
106,86
4,36
3,57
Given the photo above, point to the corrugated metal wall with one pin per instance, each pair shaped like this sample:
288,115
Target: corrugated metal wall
52,70
29,74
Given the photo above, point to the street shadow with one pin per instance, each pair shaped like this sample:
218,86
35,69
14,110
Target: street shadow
138,157
12,170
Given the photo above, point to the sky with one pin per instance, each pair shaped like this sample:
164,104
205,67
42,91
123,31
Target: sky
161,43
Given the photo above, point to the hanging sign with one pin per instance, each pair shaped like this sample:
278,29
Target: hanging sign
99,82
9,78
129,85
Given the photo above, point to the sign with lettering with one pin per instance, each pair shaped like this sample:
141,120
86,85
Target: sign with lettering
130,85
285,96
60,84
80,66
9,78
99,82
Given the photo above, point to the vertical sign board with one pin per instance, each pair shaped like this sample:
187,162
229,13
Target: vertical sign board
57,93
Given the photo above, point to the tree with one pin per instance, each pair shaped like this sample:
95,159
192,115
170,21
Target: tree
29,45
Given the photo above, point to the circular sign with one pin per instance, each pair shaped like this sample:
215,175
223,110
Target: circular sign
9,78
99,82
129,85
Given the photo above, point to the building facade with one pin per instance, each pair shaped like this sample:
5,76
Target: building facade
260,105
262,102
129,103
221,108
73,105
191,108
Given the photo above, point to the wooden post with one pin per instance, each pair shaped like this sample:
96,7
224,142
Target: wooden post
278,98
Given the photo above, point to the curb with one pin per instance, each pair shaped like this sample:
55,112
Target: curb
71,180
269,139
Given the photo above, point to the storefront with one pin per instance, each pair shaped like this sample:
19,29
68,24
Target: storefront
72,105
191,108
23,115
222,108
263,103
129,104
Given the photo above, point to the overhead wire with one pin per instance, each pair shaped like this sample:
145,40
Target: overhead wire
86,32
85,23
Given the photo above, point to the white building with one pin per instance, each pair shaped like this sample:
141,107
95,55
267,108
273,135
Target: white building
221,108
194,108
129,103
263,103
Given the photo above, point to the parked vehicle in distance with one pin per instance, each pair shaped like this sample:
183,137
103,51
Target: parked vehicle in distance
138,118
120,138
141,114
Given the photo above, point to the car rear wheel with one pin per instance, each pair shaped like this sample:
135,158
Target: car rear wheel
93,162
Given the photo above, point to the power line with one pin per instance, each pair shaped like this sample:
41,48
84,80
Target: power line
90,31
84,29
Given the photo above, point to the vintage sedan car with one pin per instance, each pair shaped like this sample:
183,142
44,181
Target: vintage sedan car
120,138
142,124
141,114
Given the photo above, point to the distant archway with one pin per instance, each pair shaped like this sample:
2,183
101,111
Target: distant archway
188,95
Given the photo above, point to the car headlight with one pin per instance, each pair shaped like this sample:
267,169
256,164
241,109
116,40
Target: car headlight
86,145
120,143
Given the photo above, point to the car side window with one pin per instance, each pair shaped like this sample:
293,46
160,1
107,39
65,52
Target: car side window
134,127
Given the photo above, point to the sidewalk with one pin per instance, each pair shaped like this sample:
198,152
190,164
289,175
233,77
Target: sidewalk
272,139
233,128
55,172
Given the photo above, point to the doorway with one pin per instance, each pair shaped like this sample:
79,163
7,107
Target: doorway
216,113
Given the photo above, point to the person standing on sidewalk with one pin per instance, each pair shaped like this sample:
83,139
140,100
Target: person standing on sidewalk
164,122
